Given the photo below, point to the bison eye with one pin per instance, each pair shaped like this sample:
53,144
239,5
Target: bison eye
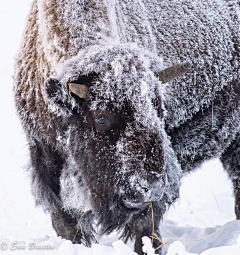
102,121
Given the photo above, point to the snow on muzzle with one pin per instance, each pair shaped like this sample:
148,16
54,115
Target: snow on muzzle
141,174
136,193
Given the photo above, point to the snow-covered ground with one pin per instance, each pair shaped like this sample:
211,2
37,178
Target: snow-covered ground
202,221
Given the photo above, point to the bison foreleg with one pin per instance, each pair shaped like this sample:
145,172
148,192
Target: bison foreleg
231,163
46,165
85,225
78,229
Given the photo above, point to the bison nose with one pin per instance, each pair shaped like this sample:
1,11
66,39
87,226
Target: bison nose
139,195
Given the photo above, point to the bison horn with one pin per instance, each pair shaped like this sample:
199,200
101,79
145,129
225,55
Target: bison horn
80,90
174,71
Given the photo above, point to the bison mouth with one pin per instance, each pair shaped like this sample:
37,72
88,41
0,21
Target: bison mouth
129,220
132,205
123,214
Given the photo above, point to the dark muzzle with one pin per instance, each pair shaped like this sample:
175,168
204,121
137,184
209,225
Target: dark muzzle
142,193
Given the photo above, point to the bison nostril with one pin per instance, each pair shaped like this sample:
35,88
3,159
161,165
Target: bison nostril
145,189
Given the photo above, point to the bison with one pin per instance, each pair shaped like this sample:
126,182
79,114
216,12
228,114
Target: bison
109,132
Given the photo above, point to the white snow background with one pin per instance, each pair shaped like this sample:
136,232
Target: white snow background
201,222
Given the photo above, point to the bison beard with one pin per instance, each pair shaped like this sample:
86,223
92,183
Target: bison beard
89,91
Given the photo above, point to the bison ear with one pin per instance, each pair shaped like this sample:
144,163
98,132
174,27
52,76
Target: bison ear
54,91
53,87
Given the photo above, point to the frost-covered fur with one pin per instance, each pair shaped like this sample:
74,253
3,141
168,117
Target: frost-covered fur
82,171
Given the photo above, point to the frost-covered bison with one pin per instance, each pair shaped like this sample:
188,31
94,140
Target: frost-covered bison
107,134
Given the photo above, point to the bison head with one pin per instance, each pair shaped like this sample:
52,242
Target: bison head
111,101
